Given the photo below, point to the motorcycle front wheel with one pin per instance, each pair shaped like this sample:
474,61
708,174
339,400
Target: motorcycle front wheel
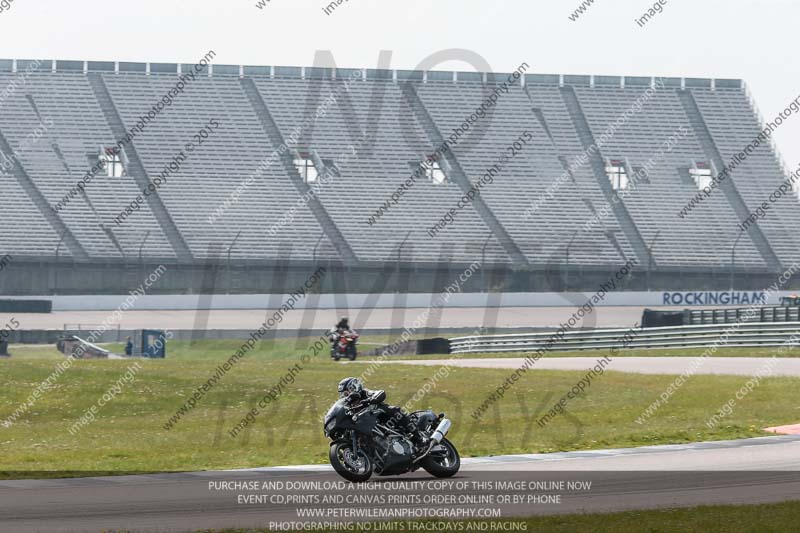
443,461
352,466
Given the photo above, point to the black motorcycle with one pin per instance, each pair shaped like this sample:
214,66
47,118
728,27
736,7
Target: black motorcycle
364,442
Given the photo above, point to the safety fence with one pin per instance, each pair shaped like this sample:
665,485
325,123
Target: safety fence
735,335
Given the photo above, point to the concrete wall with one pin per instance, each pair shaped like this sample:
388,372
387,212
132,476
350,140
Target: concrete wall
394,301
26,277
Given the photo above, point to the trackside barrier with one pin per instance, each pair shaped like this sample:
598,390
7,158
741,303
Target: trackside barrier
743,335
727,316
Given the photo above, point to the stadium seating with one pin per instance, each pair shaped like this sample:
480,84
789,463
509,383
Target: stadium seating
525,178
705,236
395,119
366,182
734,125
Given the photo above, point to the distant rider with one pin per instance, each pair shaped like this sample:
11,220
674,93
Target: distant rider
341,329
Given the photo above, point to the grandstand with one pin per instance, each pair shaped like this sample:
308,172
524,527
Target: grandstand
395,119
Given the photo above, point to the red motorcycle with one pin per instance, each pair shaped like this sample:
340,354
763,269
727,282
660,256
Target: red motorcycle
344,345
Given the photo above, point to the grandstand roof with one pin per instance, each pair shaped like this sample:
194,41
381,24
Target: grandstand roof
302,72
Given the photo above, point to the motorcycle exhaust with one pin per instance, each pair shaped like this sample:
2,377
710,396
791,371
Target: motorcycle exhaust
441,430
438,434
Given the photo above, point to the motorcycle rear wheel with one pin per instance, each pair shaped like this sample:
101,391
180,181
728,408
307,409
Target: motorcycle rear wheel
344,461
444,462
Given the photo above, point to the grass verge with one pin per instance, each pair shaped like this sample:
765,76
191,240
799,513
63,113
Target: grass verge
128,433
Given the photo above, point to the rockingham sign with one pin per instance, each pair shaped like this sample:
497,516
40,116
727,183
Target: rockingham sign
714,298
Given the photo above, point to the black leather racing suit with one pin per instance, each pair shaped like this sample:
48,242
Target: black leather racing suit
396,418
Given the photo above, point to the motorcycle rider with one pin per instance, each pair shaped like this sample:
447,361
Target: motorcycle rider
341,329
355,395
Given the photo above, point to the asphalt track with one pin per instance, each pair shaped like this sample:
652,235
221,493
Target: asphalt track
759,470
734,366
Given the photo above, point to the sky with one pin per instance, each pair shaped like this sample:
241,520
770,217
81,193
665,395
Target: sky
746,39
